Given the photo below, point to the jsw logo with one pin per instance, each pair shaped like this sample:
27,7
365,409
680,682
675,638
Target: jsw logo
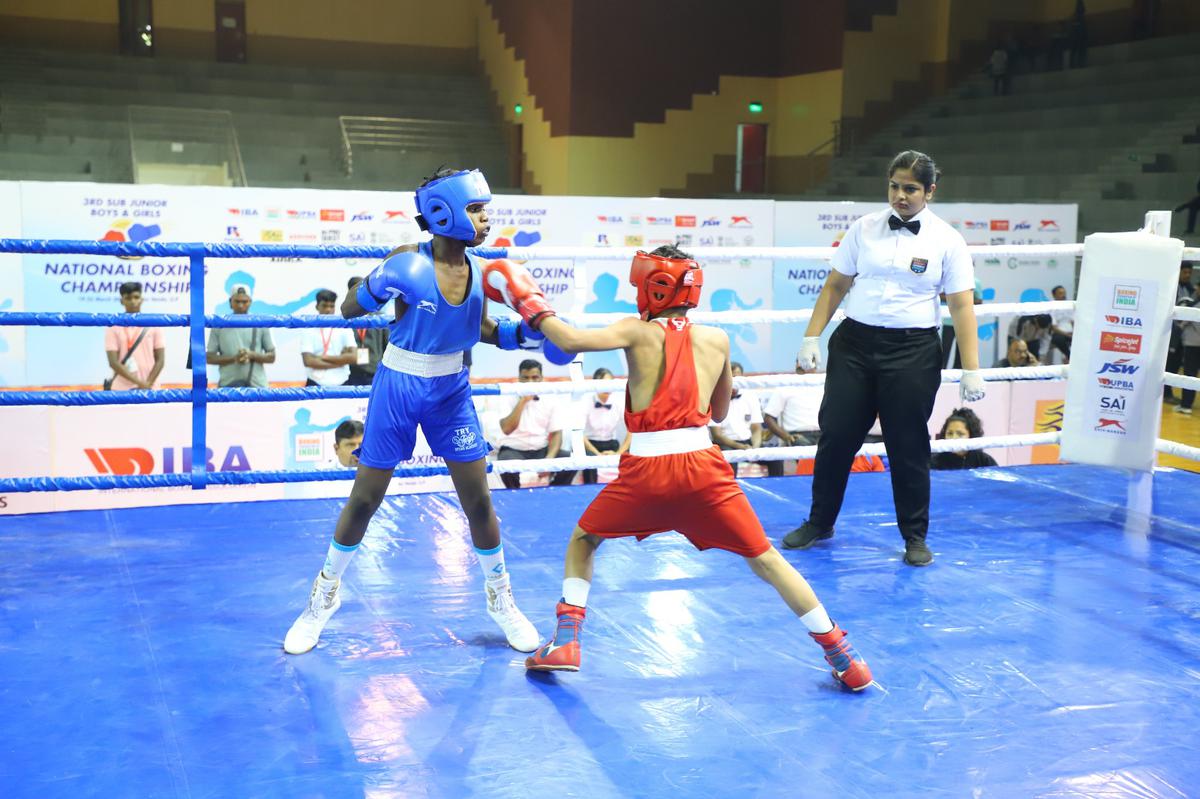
1120,367
135,460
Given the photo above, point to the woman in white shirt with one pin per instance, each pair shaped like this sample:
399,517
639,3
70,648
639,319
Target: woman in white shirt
885,358
602,424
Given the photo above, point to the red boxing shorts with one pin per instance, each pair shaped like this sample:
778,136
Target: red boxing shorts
694,493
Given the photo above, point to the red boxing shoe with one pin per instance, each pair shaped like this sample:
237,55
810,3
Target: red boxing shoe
848,666
562,653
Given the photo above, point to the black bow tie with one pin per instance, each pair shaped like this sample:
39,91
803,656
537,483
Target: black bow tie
895,223
606,405
737,394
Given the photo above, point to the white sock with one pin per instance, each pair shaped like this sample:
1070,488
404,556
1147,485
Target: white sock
337,559
575,591
817,620
492,562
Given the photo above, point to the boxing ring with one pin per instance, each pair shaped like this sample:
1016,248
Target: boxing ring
1050,651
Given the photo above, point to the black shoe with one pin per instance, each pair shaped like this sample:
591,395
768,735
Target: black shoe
805,536
916,553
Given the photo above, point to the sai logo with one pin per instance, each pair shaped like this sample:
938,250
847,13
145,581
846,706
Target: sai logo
1114,404
1125,298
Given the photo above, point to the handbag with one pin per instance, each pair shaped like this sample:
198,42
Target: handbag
108,383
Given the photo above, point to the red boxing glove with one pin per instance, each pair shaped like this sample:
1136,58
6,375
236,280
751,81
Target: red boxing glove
508,282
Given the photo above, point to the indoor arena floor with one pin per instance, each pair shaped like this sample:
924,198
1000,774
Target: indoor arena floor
1053,649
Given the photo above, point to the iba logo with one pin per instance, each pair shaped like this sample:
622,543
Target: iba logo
1130,343
135,460
1123,321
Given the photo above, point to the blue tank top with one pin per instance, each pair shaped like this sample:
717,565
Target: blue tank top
445,328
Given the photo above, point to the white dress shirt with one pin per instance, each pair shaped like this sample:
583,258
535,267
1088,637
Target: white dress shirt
898,275
539,418
321,341
796,408
601,424
744,411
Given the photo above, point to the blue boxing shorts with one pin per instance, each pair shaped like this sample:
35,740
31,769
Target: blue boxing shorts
443,408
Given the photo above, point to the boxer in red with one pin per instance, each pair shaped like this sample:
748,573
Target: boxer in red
672,477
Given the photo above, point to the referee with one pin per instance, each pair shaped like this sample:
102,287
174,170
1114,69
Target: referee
885,359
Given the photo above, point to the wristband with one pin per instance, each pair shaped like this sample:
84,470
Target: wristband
506,334
366,300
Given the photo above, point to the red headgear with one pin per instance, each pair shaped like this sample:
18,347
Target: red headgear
664,283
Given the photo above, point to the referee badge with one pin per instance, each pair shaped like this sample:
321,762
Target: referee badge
919,265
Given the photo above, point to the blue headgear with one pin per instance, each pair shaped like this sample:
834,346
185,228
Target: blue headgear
442,204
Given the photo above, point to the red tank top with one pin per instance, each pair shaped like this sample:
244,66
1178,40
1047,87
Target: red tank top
674,405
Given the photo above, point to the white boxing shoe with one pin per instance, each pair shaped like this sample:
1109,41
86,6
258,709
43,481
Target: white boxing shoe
322,604
503,609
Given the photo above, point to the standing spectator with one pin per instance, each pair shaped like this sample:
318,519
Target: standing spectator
328,351
885,359
533,429
1077,39
135,354
1062,325
961,423
1190,339
371,341
742,427
603,420
241,352
1183,291
998,65
1018,355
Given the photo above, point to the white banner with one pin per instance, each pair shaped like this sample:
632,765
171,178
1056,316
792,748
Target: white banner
1122,331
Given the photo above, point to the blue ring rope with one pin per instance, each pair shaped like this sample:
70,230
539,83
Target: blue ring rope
171,395
179,480
76,319
174,249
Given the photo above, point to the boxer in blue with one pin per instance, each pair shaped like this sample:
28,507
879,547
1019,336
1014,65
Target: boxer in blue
439,300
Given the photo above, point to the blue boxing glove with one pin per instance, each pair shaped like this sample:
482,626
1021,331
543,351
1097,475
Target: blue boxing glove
408,276
555,355
512,334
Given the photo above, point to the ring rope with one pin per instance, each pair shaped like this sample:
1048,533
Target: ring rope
1182,381
1176,448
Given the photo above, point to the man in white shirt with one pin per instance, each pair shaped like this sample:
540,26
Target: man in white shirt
328,351
790,417
533,428
742,427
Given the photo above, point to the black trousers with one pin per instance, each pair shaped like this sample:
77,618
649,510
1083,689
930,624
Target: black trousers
1191,366
892,373
589,475
808,438
513,479
1174,358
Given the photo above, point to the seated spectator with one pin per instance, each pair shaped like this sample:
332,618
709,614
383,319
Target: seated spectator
1018,355
241,352
371,341
742,427
1062,326
135,354
605,417
532,429
346,438
790,416
961,423
328,351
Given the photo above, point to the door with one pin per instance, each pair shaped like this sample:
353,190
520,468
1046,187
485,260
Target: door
136,26
231,31
751,175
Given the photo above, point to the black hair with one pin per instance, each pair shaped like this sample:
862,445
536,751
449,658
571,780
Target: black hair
530,363
129,288
325,295
735,365
968,418
921,165
442,171
1056,288
601,373
347,429
352,282
670,251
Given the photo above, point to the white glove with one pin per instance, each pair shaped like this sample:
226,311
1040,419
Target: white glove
809,357
970,388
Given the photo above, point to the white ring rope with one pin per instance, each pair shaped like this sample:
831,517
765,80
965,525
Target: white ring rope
1178,449
773,381
785,253
763,454
1182,381
1185,314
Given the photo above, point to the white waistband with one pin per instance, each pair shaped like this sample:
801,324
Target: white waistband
421,365
669,442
